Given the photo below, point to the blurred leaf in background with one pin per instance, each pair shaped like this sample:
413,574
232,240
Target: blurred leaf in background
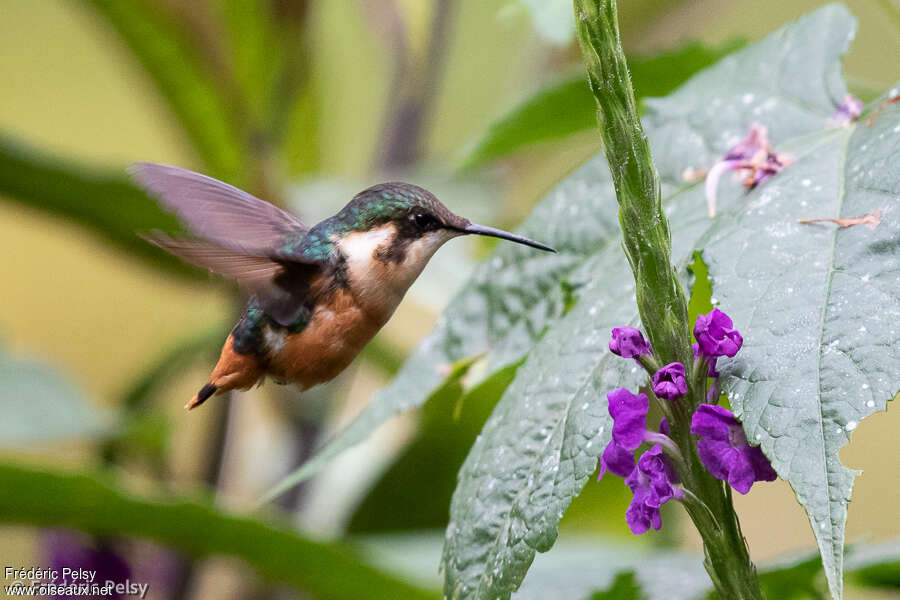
163,47
104,202
92,504
39,405
568,107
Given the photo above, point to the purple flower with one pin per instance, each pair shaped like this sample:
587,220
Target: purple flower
846,113
640,516
752,157
628,342
77,551
655,465
651,483
724,449
669,382
716,336
617,460
629,413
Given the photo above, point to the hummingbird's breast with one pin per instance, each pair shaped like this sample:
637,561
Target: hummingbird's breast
352,302
337,331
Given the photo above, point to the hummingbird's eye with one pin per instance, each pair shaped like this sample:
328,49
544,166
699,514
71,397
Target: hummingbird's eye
423,221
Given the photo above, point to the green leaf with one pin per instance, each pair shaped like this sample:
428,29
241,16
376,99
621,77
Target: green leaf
553,112
184,80
795,580
106,203
875,565
255,52
39,405
415,492
357,431
624,587
568,107
86,502
542,442
818,305
515,299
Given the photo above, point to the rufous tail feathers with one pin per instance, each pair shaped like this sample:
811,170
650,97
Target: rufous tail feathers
233,371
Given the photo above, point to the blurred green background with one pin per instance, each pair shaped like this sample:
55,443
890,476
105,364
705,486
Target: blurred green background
343,73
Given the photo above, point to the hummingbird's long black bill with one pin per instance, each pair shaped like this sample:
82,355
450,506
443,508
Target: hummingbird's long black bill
505,235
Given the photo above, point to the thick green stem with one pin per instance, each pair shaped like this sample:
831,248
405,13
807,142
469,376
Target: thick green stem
660,298
646,230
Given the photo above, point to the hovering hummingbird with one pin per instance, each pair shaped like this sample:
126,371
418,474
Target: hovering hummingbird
317,295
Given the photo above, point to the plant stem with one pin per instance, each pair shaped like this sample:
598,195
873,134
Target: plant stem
661,300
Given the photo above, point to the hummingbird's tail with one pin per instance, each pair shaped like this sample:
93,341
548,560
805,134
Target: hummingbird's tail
233,371
202,396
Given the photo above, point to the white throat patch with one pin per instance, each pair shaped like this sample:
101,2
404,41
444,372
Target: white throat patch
379,283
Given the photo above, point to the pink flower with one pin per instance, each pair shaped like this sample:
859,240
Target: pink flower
846,113
752,157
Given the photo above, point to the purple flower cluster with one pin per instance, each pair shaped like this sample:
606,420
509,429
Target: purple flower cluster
651,479
723,448
752,157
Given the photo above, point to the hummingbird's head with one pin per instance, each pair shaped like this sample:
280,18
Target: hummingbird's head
415,215
391,230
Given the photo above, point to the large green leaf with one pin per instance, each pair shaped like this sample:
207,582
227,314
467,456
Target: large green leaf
86,502
39,405
415,492
106,203
541,444
183,78
568,107
519,294
820,306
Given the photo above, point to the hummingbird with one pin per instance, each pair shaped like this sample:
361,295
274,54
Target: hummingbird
316,295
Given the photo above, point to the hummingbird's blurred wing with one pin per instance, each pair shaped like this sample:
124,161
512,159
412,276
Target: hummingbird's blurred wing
215,210
280,285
